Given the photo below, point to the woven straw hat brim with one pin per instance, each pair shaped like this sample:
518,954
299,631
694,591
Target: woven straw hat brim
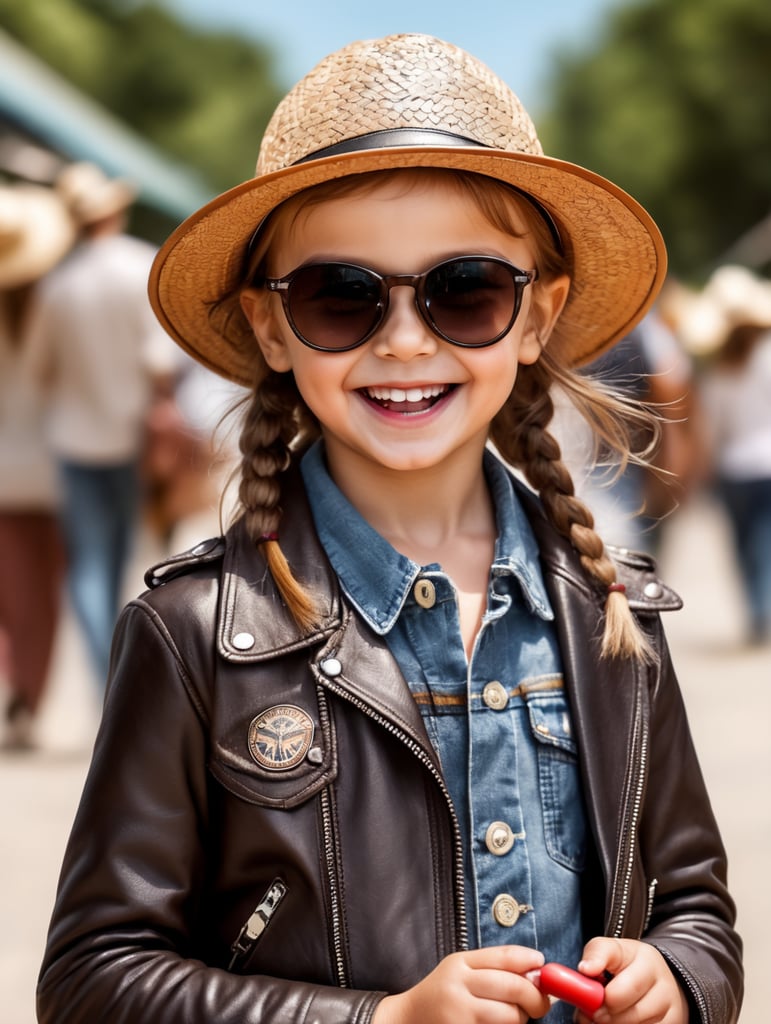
616,252
34,236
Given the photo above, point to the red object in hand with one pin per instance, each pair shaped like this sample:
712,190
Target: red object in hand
587,994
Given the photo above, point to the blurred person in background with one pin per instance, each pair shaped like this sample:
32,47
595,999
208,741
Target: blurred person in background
731,322
630,503
191,449
95,347
35,233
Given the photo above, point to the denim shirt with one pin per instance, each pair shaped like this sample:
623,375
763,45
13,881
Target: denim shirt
500,722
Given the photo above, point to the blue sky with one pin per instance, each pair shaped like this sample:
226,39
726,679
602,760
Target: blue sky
517,38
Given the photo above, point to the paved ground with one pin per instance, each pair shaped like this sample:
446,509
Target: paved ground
728,689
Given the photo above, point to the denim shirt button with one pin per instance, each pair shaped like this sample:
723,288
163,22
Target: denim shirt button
425,593
499,838
494,695
506,910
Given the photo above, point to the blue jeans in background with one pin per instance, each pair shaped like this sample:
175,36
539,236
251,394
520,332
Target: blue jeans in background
100,507
748,505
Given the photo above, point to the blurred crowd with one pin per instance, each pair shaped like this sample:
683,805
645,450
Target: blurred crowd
105,426
701,361
107,429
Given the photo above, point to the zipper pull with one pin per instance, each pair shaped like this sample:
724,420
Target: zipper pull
257,923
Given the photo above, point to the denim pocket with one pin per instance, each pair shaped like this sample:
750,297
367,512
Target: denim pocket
564,819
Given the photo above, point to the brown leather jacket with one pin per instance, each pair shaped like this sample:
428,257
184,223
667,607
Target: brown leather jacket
204,883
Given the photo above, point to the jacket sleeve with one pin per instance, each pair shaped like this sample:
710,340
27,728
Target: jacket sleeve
692,915
135,861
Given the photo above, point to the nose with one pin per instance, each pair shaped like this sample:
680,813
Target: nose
404,334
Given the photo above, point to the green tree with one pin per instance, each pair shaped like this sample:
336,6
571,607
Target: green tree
673,103
204,98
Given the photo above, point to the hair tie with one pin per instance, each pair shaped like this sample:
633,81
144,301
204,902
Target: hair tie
616,588
268,536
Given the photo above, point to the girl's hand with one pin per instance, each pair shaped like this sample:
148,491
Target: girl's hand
482,986
643,989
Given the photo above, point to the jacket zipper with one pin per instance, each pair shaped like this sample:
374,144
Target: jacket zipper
636,768
327,818
681,973
425,761
257,923
637,765
649,907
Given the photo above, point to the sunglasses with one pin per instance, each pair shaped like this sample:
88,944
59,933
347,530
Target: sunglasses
471,301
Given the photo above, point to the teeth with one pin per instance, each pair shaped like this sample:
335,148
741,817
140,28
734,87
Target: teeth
406,394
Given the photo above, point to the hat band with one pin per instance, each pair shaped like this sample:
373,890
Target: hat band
386,138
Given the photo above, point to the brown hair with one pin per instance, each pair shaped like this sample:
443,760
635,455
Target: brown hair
278,423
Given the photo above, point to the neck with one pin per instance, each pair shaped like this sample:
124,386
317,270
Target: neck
442,514
423,513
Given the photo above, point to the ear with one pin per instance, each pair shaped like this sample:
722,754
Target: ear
260,311
546,305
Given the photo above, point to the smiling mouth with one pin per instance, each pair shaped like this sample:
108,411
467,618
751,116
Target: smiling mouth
407,400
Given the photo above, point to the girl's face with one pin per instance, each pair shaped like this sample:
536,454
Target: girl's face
405,400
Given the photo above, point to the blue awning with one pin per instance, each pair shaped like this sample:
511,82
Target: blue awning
52,111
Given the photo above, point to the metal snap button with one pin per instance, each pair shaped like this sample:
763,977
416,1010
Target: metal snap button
499,838
425,593
653,590
494,695
506,910
243,641
331,667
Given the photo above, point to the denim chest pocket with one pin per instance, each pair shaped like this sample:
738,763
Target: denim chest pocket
559,781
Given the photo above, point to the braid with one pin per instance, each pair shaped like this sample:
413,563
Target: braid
275,418
520,433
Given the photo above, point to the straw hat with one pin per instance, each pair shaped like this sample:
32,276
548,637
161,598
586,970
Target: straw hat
35,233
90,195
733,296
411,101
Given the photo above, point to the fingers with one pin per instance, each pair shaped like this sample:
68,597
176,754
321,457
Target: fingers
483,986
604,954
498,975
517,959
642,989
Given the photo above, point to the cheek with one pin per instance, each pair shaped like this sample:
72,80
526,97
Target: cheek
319,380
504,358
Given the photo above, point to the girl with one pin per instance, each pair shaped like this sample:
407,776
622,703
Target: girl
408,730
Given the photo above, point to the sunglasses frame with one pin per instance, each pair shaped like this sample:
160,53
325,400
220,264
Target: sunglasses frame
520,278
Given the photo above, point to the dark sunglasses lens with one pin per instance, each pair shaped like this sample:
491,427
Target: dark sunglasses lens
334,306
472,302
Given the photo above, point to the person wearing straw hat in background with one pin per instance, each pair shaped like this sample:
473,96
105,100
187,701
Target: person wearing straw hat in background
36,231
95,347
408,730
728,325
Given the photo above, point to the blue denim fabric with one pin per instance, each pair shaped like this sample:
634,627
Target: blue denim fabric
511,760
99,515
748,505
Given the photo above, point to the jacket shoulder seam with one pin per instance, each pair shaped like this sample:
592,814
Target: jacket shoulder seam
160,627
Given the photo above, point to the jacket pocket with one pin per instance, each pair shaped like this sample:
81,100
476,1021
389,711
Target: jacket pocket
649,904
255,925
559,780
279,755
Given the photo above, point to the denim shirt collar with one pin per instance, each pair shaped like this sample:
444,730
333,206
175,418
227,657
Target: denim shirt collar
377,579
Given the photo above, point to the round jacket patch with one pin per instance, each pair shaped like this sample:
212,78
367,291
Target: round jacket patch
280,737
